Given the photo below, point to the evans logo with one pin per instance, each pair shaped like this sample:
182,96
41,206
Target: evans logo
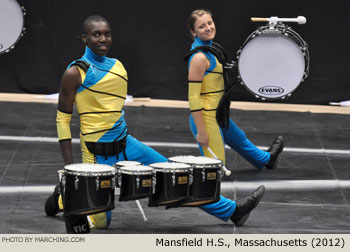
271,90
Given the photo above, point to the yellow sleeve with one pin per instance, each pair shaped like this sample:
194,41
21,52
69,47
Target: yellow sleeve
194,92
63,125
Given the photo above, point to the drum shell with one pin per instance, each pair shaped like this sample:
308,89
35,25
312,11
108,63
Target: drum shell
120,165
204,189
89,197
166,191
130,189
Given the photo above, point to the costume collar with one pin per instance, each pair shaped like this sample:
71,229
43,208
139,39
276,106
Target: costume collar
92,57
198,42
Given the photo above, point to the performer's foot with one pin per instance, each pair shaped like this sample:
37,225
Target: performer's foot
246,205
51,204
275,149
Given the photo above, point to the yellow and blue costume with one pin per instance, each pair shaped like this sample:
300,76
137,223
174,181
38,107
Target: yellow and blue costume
205,96
99,101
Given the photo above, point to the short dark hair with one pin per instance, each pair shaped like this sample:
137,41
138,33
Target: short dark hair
94,18
194,15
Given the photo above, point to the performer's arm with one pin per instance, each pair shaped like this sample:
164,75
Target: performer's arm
71,79
199,64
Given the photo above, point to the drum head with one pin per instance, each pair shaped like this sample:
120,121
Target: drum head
271,65
196,160
11,24
127,163
136,169
170,166
88,169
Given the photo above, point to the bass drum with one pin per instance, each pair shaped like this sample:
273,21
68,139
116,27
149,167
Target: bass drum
273,61
11,24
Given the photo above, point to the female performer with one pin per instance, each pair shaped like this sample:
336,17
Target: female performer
206,89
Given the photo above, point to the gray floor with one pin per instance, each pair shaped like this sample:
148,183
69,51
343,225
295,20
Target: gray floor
308,193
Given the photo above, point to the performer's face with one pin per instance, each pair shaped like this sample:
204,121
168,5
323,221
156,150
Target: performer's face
98,38
204,27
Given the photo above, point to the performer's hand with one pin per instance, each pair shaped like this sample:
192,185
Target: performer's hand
203,139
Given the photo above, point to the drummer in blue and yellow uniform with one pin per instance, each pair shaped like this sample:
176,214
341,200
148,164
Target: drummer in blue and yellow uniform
98,86
206,88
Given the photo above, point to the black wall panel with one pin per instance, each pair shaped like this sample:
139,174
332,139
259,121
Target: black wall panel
150,38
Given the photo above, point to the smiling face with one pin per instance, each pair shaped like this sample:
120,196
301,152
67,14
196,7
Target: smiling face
204,27
98,37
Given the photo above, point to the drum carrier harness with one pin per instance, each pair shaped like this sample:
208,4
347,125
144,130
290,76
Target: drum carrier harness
102,149
223,108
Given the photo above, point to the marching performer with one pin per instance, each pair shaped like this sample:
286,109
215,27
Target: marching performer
208,96
97,85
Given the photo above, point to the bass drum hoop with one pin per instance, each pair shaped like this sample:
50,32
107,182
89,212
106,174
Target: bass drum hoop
21,29
281,29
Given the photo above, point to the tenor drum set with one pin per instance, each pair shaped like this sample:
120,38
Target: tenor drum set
183,181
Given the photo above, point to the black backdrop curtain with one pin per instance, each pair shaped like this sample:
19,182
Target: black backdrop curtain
150,38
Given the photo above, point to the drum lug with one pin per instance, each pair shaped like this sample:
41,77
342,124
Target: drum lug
220,173
24,11
190,178
119,180
203,175
113,182
76,183
230,65
154,182
173,177
97,183
63,181
137,182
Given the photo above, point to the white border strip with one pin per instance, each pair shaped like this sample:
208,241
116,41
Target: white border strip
280,185
174,145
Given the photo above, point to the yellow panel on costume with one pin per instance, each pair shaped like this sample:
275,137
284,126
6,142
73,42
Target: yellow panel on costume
105,102
212,89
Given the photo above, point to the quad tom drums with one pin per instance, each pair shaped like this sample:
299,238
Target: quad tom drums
205,185
11,24
87,188
135,182
171,183
124,163
273,61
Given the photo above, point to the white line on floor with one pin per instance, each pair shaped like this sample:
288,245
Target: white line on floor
174,145
281,185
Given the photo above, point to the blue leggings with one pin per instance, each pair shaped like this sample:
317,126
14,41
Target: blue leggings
233,137
137,151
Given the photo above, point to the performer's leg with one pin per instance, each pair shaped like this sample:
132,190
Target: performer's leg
223,209
237,140
216,142
138,151
238,211
100,220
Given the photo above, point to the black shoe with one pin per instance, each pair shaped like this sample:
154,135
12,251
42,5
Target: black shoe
246,205
51,204
275,149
